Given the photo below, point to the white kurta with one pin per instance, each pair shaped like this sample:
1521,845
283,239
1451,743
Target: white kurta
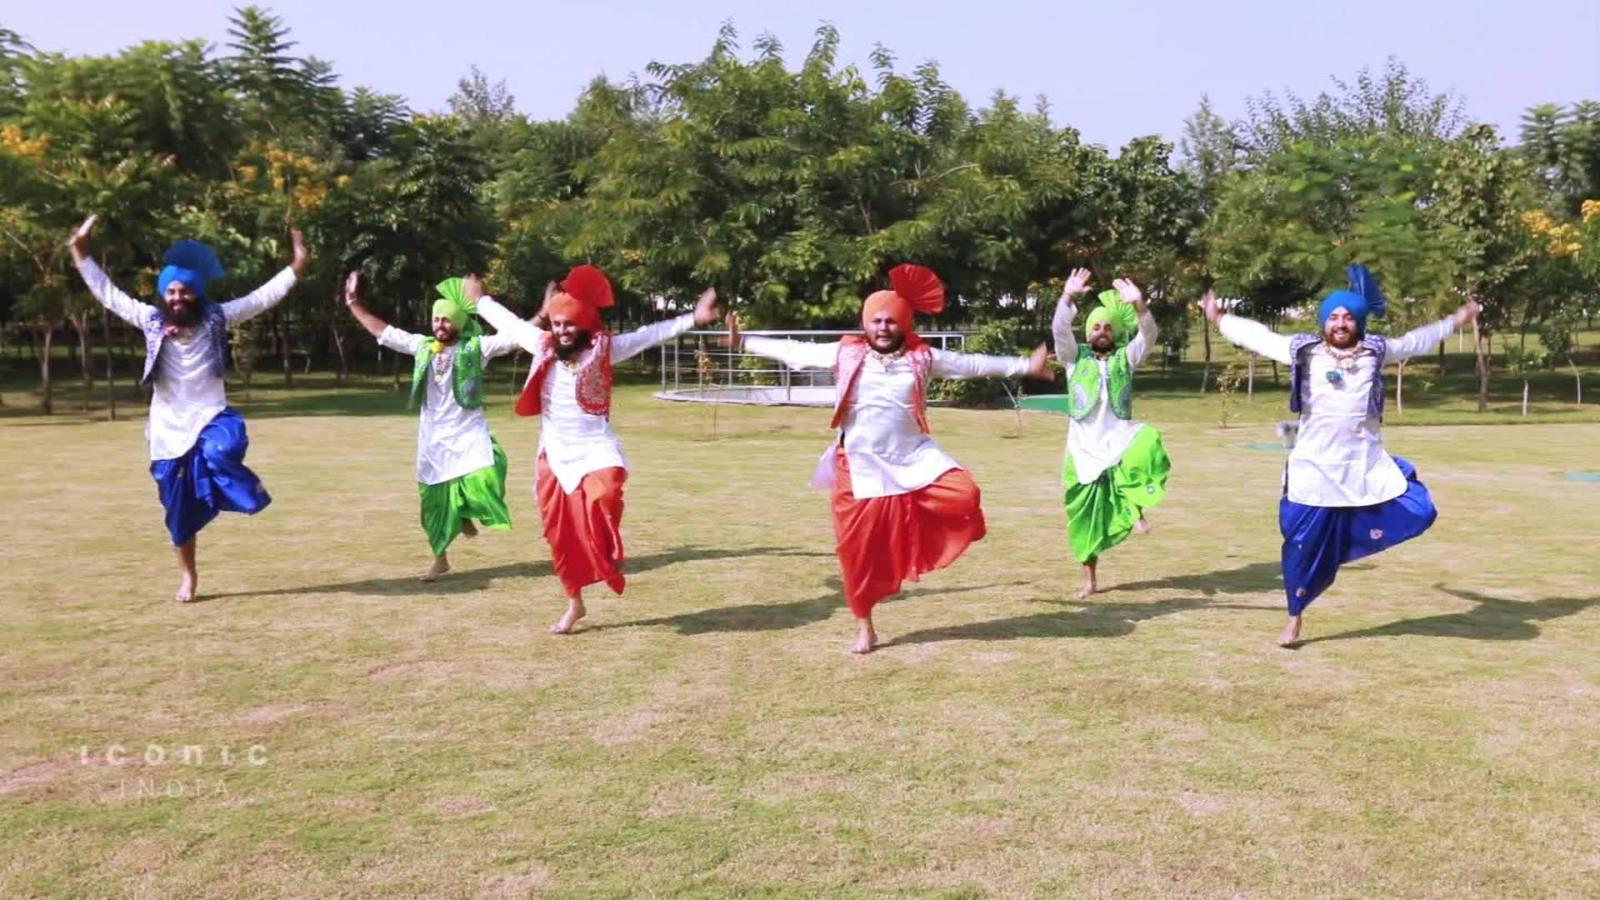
575,442
187,393
1098,442
452,440
887,452
1338,457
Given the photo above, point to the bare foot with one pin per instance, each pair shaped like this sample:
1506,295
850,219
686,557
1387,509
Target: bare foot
866,639
1290,636
1088,588
568,622
187,587
1142,526
468,530
441,565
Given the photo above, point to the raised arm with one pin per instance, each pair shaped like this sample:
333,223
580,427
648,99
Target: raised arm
794,354
489,345
272,293
1423,339
519,331
99,283
388,336
1139,345
1066,311
625,346
1246,333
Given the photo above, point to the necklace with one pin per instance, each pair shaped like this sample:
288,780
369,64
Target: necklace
1344,360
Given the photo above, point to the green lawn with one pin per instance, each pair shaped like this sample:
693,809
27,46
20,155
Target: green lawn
709,733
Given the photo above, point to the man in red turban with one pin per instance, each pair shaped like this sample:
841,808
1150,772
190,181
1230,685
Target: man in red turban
901,506
581,466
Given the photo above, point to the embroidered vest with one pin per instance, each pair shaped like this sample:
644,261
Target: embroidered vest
466,374
213,330
1300,347
594,377
847,368
1083,388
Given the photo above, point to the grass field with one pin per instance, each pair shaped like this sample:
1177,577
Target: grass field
708,734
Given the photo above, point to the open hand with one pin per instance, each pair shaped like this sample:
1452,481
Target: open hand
1209,306
352,289
1039,364
733,340
705,309
472,285
1130,292
301,256
1077,284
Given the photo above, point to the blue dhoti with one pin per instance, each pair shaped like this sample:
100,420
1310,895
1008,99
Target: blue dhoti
209,478
1318,539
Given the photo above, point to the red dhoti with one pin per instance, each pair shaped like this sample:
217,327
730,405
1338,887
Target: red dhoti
583,527
883,541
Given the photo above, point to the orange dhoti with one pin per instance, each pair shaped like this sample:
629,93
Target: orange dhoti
583,528
883,541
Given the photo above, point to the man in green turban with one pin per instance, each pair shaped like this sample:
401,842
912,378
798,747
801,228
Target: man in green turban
1115,467
461,470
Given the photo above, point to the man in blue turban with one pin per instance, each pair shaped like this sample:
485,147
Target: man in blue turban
1344,497
197,441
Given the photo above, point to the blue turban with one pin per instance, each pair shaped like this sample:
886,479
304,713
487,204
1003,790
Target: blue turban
1361,300
192,263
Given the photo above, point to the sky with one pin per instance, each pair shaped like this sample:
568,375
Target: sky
1112,70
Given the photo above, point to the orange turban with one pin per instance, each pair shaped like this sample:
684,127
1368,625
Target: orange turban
913,289
584,292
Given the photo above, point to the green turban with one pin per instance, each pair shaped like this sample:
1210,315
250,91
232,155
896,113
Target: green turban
1124,318
454,305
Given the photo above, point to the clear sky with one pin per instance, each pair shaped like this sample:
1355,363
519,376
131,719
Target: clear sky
1113,70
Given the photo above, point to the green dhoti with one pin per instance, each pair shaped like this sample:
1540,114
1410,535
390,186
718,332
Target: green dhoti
1101,514
479,495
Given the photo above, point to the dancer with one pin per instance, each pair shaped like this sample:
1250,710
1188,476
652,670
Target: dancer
902,507
461,469
1115,467
197,441
581,468
1344,497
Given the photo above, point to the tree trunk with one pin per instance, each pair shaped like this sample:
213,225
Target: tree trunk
394,371
1480,352
111,378
343,374
1577,377
283,350
1524,396
44,368
80,324
1274,373
1205,374
1250,383
1399,388
1441,359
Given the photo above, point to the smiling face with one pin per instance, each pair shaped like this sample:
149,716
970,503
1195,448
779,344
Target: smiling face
183,307
571,339
884,333
1340,329
444,330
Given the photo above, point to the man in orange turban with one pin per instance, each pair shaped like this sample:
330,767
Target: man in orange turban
901,505
581,466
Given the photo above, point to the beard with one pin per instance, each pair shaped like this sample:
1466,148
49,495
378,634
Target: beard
887,345
186,315
1342,340
569,352
1102,344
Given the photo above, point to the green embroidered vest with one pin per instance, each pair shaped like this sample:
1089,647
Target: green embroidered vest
1083,388
467,371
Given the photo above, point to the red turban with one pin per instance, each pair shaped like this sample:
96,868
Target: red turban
914,289
584,292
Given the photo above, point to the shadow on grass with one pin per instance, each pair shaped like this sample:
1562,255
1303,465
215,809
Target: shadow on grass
1092,620
776,616
459,580
1257,577
1493,619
